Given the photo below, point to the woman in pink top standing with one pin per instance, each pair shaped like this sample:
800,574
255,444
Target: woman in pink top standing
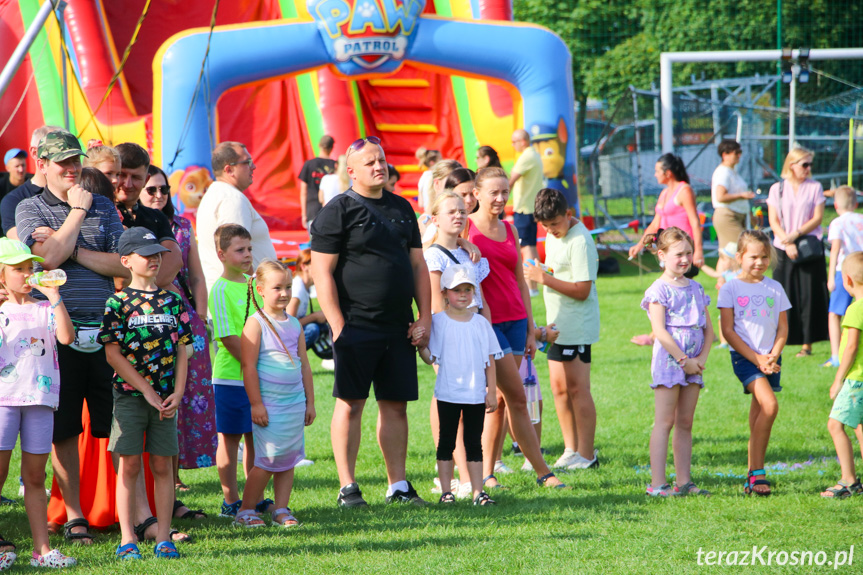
795,207
508,300
675,207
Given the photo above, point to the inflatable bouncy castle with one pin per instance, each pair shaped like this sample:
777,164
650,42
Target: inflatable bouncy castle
276,75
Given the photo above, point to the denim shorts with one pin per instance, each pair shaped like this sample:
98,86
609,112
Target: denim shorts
747,372
840,299
511,335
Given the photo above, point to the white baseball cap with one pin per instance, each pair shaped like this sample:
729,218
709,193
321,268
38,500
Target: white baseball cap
455,276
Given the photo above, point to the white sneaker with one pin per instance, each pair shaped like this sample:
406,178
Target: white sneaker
583,463
328,364
465,491
501,468
526,466
304,463
565,460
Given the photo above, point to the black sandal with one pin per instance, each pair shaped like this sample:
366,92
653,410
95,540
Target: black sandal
140,531
77,537
542,481
189,514
447,497
484,499
4,543
498,486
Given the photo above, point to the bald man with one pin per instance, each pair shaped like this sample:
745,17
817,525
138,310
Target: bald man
368,267
525,181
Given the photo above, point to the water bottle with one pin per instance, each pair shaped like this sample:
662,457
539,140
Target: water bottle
52,278
531,393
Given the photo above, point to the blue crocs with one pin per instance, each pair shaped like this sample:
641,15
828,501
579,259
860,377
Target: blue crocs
128,551
166,550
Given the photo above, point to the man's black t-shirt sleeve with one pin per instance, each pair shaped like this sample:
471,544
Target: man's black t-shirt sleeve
305,173
327,230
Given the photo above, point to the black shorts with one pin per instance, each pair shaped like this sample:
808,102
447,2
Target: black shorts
387,359
569,353
83,376
526,226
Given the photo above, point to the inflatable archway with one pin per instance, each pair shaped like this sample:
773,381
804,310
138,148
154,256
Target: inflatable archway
357,39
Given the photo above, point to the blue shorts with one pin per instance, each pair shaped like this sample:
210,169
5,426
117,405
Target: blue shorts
840,299
526,226
233,410
511,335
747,372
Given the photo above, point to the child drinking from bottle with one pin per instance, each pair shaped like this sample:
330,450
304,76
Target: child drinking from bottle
278,381
677,307
464,347
30,383
752,309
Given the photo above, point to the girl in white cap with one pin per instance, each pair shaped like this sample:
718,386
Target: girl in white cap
30,380
464,347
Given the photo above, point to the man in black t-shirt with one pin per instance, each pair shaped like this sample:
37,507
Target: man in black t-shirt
310,180
134,162
368,268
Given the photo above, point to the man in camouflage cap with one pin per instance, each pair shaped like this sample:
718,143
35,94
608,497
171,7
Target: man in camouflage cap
78,232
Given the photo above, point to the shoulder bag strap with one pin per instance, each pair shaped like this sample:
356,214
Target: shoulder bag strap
446,251
391,228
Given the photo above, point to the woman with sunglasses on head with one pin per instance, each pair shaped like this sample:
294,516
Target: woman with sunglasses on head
196,424
795,207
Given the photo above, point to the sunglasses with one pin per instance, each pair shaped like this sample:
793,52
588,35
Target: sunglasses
248,162
806,165
359,144
153,190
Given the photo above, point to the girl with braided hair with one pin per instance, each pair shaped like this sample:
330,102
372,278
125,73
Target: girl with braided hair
278,381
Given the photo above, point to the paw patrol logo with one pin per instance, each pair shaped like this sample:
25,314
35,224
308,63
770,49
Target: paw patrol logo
366,35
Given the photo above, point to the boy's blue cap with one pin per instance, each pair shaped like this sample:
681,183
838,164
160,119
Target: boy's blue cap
14,153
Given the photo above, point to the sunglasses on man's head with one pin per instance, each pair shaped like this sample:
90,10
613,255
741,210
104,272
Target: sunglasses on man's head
359,144
153,190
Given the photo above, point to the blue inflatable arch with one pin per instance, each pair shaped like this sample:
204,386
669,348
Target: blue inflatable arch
534,60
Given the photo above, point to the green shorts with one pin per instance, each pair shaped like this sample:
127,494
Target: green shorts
135,419
848,406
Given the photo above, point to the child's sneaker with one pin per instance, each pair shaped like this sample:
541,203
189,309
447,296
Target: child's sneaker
565,460
230,511
409,496
53,559
516,450
351,496
501,468
527,466
584,463
663,490
465,491
832,362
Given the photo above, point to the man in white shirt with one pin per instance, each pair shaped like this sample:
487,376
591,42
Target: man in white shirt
225,203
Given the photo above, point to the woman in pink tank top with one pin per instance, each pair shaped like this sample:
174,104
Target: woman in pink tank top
675,206
508,300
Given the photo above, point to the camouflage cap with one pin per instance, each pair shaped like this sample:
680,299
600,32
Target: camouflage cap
58,146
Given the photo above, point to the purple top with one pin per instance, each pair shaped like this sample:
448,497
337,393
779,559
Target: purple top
684,306
756,310
796,209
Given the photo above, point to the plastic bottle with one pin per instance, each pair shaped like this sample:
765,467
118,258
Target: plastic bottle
531,393
52,278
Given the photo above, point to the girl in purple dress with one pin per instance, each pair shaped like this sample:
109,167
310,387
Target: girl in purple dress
196,417
677,308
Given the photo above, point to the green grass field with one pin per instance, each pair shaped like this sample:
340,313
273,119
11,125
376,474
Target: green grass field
605,524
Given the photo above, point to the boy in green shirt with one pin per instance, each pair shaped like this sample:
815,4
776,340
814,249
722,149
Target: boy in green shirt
847,388
571,303
228,303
